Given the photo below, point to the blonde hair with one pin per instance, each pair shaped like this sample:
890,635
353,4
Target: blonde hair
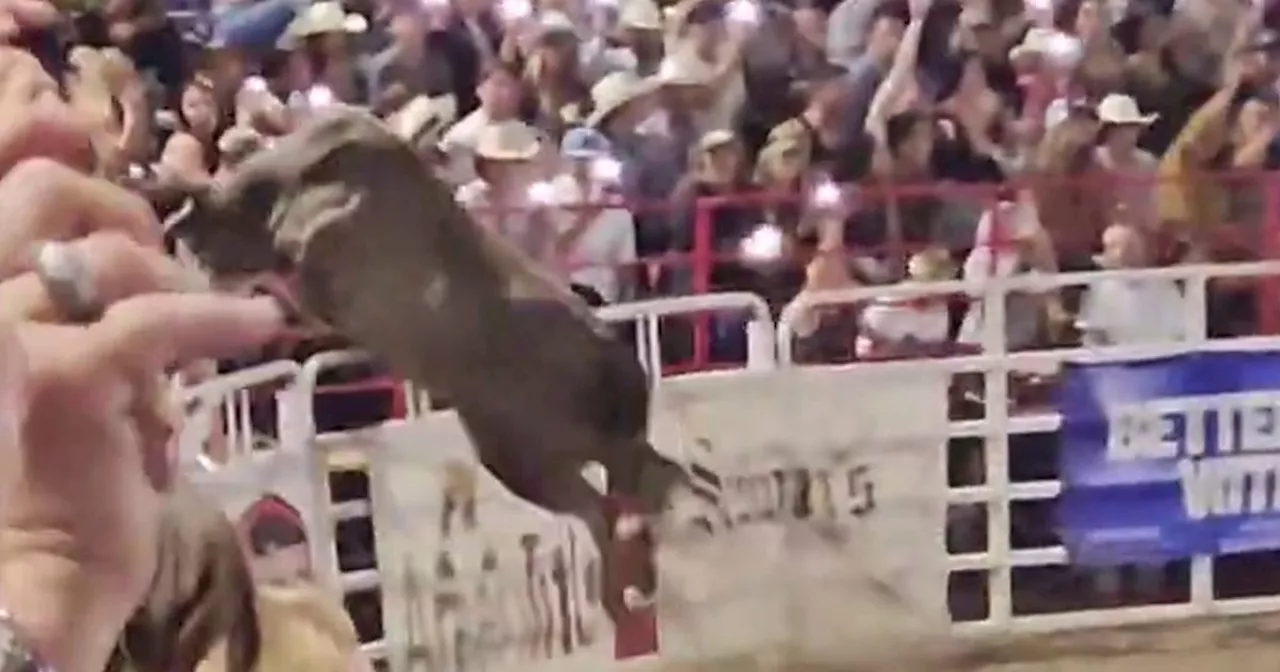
302,628
202,594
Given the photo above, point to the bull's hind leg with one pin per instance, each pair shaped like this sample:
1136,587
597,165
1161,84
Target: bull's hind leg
649,478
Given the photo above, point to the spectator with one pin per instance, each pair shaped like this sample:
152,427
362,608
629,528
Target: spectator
869,69
624,109
1130,310
145,34
1118,152
706,55
1010,241
191,153
499,102
1068,187
913,327
473,37
640,34
555,84
323,32
416,63
596,241
820,128
503,196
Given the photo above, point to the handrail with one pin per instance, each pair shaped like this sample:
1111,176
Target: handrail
762,345
997,288
226,383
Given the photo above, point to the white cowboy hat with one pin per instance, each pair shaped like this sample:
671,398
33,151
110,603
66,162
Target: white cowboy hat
508,141
1036,41
552,22
324,17
614,91
640,14
1118,108
423,116
684,68
716,139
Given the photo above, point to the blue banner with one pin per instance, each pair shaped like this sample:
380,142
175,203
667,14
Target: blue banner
1163,459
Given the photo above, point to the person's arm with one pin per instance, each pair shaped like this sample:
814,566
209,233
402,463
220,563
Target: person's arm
624,255
899,80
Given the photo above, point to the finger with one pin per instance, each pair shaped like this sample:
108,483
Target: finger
23,78
49,128
44,200
153,332
30,14
13,387
118,268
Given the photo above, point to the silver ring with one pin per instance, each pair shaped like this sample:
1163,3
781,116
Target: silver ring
65,274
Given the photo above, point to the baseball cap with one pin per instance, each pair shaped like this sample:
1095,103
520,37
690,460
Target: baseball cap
584,143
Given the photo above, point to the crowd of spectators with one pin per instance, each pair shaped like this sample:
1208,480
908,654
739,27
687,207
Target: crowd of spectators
641,150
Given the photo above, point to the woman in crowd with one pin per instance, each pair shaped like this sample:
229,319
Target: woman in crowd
555,84
191,153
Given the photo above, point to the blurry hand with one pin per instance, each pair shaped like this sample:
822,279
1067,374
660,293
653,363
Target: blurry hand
36,122
84,456
18,15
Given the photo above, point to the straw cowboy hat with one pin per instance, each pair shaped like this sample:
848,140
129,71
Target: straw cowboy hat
931,265
321,18
640,15
776,150
508,141
713,140
614,91
1118,108
423,118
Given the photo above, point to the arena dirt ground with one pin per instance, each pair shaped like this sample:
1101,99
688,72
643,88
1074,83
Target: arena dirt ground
1242,644
1238,644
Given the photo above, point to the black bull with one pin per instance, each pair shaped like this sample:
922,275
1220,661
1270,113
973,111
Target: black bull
383,255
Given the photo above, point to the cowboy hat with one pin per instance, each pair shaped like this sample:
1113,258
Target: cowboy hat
508,141
321,18
423,117
931,265
684,68
640,14
554,23
1035,42
1118,108
712,140
613,92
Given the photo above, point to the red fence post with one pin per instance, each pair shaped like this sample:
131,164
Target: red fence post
702,259
1269,296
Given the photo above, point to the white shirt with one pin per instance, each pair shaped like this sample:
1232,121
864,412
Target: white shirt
604,249
1132,311
511,222
896,321
994,256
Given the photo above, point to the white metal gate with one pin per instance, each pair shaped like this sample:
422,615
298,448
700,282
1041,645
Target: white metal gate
997,425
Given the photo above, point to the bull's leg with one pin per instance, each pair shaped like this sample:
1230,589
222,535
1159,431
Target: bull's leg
640,473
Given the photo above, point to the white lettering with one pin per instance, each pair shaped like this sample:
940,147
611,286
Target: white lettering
1230,485
1247,422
